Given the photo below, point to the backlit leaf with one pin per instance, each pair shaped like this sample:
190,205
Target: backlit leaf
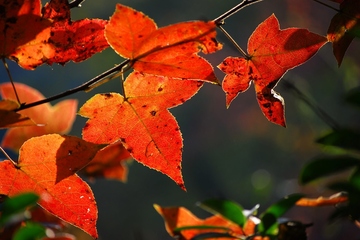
178,217
344,27
272,52
51,119
322,201
10,118
31,36
47,166
142,120
169,51
109,163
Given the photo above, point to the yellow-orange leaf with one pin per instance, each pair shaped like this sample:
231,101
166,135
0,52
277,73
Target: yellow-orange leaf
51,119
169,51
9,118
142,121
47,166
176,217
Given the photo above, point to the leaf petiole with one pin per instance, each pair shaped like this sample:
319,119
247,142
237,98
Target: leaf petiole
8,157
11,80
234,42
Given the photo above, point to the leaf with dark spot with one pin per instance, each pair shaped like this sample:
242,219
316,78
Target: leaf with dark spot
272,52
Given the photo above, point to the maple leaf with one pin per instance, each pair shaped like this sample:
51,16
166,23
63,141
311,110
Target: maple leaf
170,51
10,118
176,217
31,36
271,53
109,163
47,166
142,121
54,119
344,27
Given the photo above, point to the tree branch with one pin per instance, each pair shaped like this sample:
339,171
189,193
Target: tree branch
220,20
75,3
83,87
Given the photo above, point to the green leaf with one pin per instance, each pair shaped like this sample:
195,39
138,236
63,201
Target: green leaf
343,138
31,231
269,218
325,166
226,208
353,97
16,204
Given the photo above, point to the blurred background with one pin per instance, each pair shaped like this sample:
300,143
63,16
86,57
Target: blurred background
230,153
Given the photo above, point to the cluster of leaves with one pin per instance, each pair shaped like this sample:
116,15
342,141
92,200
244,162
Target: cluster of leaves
167,71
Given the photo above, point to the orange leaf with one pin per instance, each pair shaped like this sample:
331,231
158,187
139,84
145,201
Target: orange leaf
57,119
271,53
109,162
169,51
344,26
322,201
47,166
32,37
9,118
142,121
176,217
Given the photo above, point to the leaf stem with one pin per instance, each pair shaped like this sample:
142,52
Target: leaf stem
87,86
11,80
8,157
234,42
220,20
75,3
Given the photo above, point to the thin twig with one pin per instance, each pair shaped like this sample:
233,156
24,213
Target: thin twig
234,42
220,20
76,3
318,110
83,87
8,157
11,80
327,5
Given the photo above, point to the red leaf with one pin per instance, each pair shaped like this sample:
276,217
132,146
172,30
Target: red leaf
176,217
271,53
47,166
142,121
51,119
109,163
169,51
9,118
32,38
344,26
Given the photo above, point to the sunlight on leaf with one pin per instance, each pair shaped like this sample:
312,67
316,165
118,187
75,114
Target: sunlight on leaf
272,52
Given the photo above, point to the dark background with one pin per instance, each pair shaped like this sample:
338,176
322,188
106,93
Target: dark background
236,153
